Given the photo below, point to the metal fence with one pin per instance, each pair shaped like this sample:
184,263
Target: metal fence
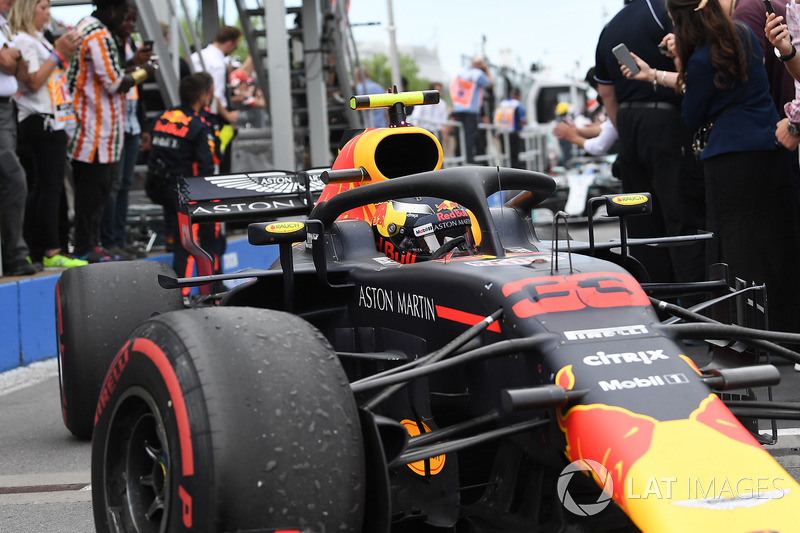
533,156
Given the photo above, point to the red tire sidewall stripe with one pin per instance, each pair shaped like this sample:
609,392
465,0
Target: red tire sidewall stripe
60,326
58,307
157,356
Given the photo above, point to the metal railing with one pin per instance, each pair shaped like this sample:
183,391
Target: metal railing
533,156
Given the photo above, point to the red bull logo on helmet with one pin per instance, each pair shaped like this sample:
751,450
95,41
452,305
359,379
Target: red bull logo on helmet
447,205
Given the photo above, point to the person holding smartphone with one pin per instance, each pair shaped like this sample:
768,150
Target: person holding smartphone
783,33
99,86
754,14
747,171
654,143
44,118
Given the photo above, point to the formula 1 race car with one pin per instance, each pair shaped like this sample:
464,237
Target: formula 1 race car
415,361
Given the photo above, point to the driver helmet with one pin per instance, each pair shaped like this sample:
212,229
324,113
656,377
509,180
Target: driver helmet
410,230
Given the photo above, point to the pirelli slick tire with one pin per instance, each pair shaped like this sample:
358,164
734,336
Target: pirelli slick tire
97,306
227,419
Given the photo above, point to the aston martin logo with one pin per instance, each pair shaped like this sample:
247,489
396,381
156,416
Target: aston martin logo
266,182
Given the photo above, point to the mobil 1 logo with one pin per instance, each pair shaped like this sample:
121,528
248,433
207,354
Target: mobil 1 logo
655,380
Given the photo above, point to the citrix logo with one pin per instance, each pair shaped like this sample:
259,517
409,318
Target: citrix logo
646,357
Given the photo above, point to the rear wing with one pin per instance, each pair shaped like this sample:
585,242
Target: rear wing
255,197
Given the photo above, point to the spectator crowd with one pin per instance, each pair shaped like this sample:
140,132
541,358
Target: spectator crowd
706,123
72,114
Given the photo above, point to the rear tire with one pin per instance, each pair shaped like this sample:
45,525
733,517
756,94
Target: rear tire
227,419
97,306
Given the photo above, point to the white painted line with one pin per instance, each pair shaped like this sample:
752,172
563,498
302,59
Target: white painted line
40,498
78,477
783,432
27,376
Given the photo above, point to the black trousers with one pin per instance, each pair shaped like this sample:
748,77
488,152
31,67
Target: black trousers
655,157
45,170
92,187
752,212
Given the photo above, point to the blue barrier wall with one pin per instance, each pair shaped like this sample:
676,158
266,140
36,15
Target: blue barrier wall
27,307
10,348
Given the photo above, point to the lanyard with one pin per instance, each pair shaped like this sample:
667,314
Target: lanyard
47,46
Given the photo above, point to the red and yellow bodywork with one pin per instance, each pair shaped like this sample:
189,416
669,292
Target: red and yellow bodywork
702,473
705,473
384,153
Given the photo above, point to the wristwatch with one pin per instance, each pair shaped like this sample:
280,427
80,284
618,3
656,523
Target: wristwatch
794,128
786,58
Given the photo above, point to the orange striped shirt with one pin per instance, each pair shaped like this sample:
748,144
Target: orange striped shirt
93,77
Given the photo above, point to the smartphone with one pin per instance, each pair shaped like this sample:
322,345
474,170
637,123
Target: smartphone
769,7
148,44
624,56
